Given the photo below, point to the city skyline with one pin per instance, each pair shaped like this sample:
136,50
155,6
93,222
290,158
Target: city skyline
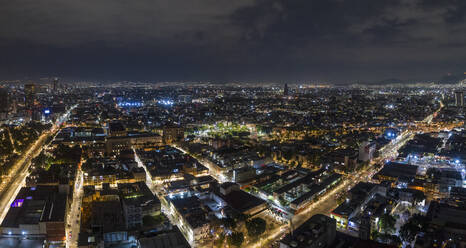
233,123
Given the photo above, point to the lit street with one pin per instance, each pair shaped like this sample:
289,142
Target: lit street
15,181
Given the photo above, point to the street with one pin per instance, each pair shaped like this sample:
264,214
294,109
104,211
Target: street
15,181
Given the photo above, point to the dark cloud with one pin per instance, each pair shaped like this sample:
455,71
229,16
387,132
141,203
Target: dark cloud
221,40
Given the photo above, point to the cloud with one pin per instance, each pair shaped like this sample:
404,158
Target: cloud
116,22
336,40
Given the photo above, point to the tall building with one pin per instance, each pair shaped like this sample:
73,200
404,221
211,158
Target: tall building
459,98
55,84
285,90
366,151
4,100
29,95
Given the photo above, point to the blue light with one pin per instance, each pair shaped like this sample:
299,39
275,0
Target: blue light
130,104
166,102
46,111
457,161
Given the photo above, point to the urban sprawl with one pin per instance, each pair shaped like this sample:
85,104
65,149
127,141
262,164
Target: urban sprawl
134,165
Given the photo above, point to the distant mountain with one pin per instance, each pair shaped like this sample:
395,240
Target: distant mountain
381,82
452,78
391,81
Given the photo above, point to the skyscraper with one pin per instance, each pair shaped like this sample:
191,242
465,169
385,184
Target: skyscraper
459,98
285,90
55,84
29,95
4,100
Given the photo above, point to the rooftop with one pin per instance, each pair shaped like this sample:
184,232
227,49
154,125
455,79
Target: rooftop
36,204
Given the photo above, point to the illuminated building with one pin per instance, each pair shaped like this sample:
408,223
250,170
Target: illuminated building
137,201
29,96
38,212
459,98
366,151
172,134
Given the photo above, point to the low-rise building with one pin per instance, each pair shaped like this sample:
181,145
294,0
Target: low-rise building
37,212
317,232
137,201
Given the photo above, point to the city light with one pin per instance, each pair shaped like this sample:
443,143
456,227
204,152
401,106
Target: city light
130,104
251,148
252,124
166,102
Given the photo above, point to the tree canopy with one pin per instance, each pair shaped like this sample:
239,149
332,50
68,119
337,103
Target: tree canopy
256,227
387,223
235,239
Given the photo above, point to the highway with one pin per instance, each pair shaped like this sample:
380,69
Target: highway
13,183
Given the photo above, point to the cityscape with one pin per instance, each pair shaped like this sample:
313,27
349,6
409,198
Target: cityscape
206,165
233,123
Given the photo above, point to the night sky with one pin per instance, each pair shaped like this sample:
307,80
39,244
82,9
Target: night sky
232,40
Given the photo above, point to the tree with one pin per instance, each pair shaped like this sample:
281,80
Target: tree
387,223
219,241
229,223
242,217
413,226
419,197
256,227
64,154
235,239
282,201
149,220
408,232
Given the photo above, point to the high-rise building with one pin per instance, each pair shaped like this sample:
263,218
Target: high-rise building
459,98
366,151
29,96
285,90
55,84
4,100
